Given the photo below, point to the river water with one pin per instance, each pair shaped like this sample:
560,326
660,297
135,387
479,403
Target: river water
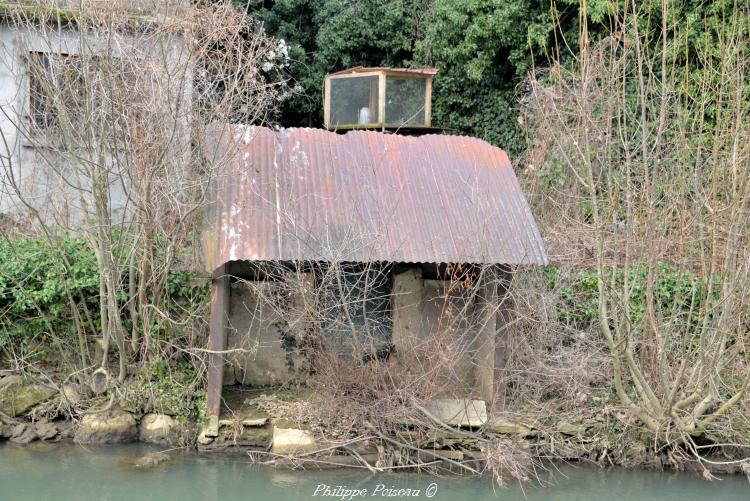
69,472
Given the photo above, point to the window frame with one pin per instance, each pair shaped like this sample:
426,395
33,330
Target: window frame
44,134
382,122
49,116
383,316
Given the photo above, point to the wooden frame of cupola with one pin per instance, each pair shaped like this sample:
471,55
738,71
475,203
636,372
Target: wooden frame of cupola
378,98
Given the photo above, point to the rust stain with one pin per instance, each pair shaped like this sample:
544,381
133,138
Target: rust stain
310,194
365,69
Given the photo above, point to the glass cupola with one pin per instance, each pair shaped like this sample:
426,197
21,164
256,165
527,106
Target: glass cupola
378,98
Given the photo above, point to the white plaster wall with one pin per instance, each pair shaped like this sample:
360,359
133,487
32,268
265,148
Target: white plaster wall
26,164
254,329
11,107
22,168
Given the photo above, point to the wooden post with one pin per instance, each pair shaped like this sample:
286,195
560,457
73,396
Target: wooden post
327,102
484,354
217,343
381,100
428,103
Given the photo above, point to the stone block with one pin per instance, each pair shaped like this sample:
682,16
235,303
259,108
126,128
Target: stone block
112,427
17,396
291,440
505,427
459,412
158,429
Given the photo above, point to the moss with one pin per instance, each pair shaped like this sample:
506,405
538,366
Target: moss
42,13
17,397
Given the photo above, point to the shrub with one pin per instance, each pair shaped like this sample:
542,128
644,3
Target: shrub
42,280
37,283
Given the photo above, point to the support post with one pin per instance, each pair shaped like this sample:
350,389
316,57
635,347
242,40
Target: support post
484,353
503,341
407,317
217,343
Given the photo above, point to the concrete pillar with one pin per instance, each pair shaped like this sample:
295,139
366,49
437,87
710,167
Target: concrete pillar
302,300
302,308
502,343
217,343
407,318
485,343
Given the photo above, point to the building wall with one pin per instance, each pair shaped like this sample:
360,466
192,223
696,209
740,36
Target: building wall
131,6
16,153
434,322
34,166
256,328
429,320
253,329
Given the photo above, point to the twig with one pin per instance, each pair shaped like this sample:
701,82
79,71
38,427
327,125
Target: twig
418,450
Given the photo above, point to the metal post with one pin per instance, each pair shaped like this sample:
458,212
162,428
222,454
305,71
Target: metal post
217,343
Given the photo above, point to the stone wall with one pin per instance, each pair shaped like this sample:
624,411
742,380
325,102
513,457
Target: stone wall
41,167
254,328
427,316
256,331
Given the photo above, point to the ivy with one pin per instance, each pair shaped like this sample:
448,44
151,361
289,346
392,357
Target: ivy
578,293
33,282
483,49
38,275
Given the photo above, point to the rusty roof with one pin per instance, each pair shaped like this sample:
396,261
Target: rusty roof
365,69
310,194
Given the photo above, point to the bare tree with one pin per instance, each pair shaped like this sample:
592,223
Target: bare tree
103,139
653,194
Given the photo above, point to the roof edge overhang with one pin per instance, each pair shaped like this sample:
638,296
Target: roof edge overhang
385,69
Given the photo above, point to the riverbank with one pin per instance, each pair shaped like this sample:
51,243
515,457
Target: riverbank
281,427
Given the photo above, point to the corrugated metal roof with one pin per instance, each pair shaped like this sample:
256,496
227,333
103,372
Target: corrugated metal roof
364,69
310,194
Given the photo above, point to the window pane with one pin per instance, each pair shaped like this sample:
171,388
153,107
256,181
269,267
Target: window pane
56,89
354,101
41,107
405,100
73,92
355,308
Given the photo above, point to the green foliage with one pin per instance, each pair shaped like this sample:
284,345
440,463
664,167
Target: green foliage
171,388
483,48
166,387
679,291
39,277
328,35
33,282
34,307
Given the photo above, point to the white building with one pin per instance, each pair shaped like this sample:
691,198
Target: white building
65,115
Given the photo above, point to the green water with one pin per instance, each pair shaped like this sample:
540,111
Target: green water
68,472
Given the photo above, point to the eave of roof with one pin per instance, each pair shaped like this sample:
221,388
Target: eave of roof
365,69
66,14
